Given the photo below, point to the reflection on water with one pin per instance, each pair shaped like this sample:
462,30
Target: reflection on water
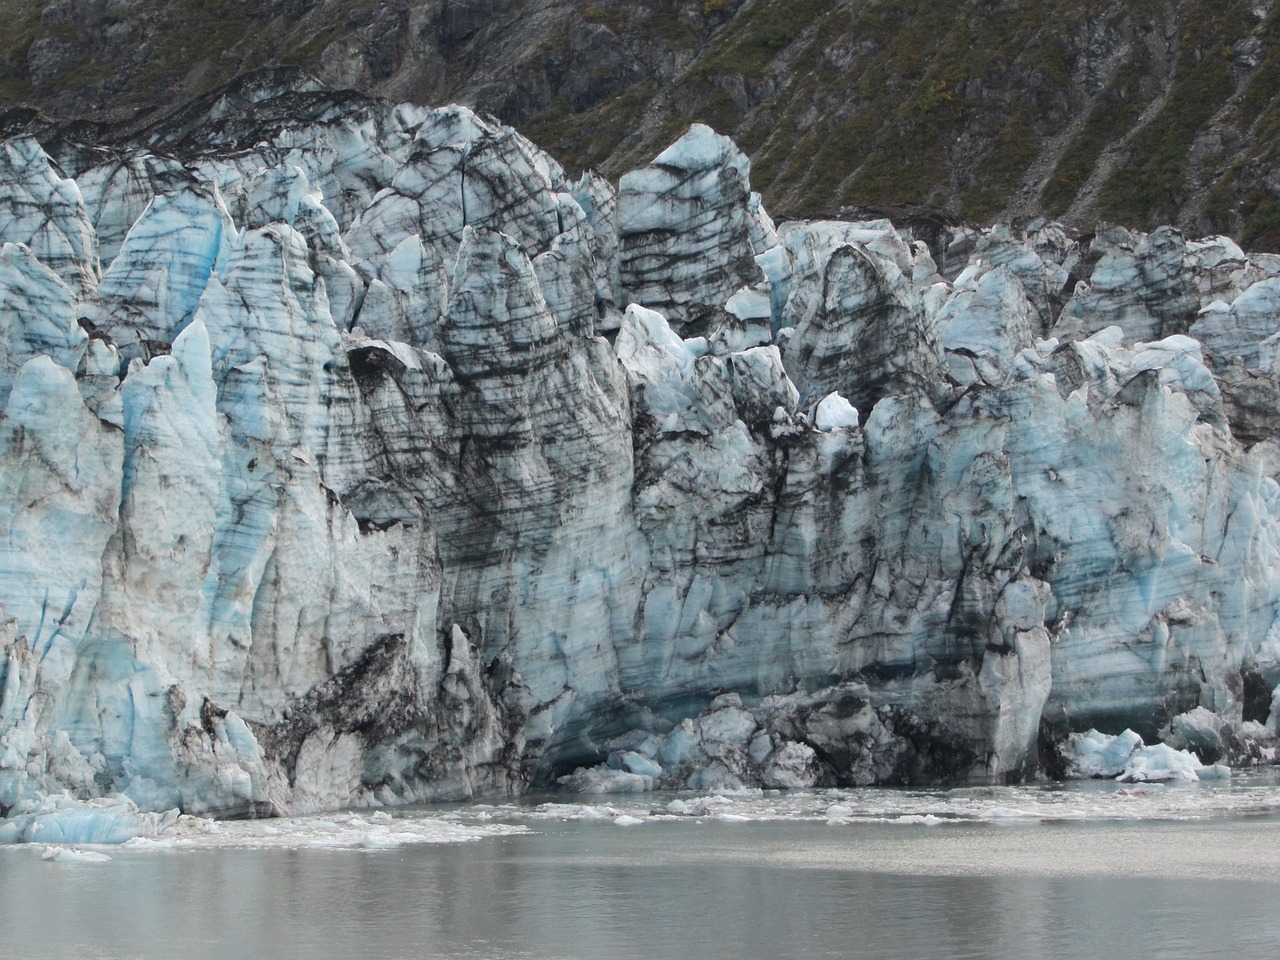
673,888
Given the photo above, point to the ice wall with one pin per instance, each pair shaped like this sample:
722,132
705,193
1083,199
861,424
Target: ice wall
380,462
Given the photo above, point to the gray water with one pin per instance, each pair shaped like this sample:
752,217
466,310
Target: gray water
1088,872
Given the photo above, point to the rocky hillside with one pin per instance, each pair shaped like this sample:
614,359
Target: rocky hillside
1136,111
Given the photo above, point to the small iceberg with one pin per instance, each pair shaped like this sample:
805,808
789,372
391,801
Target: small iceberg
63,855
1126,758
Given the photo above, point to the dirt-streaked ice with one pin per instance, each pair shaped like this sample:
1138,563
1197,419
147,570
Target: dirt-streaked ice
385,463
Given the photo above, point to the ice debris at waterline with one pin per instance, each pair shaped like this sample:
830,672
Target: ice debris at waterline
54,821
1251,793
352,455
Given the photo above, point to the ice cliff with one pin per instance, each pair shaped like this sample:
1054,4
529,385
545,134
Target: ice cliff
352,453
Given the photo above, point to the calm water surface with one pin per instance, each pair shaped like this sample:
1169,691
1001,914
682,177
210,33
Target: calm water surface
1087,872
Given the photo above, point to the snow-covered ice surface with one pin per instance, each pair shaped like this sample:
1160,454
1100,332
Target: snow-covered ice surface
381,462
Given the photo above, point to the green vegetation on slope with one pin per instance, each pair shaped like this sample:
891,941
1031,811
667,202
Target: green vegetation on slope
1140,111
1150,186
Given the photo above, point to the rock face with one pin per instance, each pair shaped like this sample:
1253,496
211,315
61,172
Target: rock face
335,472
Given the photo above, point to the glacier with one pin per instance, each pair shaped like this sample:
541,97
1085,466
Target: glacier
353,454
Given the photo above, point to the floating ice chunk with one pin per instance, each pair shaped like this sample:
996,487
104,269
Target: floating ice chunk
1006,813
837,810
1095,754
927,819
1161,762
700,807
344,833
571,811
63,855
1214,771
1128,760
835,413
627,821
148,843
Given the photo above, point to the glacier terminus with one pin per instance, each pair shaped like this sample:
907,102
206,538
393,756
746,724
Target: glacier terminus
352,454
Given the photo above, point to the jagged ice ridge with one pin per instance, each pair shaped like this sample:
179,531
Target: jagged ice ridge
353,454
